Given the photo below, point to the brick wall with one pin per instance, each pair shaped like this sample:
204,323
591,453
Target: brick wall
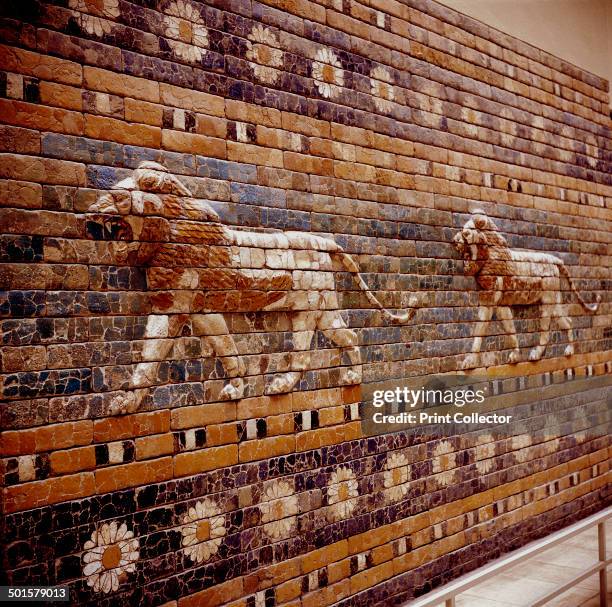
379,124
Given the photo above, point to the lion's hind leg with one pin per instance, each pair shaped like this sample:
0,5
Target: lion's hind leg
504,313
565,324
336,330
214,328
550,301
303,324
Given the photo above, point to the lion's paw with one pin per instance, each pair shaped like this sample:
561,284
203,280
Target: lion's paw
284,383
569,350
232,391
351,377
535,354
514,357
470,361
126,402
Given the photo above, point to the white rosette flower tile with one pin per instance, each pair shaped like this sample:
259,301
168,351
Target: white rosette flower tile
279,508
327,73
264,55
396,476
184,25
444,463
94,15
203,530
109,556
342,493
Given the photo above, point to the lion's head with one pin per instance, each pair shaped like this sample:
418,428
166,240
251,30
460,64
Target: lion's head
145,211
478,241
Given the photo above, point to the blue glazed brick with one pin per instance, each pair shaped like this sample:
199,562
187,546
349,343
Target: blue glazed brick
81,149
258,195
222,169
211,167
135,155
103,177
246,173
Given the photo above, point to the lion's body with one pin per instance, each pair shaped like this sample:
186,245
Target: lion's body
197,269
509,277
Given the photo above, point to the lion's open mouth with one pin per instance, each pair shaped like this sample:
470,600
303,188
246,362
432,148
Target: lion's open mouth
108,227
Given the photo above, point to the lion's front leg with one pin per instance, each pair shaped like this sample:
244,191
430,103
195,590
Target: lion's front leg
214,327
335,329
303,324
472,360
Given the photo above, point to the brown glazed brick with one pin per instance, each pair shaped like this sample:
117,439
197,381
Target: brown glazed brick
23,194
133,475
13,139
73,460
254,154
60,95
44,170
102,127
50,491
203,415
194,143
128,426
154,446
217,595
322,556
205,459
32,116
46,438
244,112
266,448
42,66
27,358
196,101
143,111
120,84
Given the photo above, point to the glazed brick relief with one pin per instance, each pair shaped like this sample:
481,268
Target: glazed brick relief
171,437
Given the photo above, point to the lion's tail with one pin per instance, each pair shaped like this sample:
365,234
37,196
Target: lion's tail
351,266
587,306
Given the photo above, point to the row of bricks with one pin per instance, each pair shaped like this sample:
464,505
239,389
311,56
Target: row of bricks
29,467
19,359
28,176
263,127
27,115
198,385
445,23
189,379
443,179
71,434
376,548
21,414
305,424
489,175
152,94
587,123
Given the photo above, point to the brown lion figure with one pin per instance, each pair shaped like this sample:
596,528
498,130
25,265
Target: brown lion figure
509,278
197,269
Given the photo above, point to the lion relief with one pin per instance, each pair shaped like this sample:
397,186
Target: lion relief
197,269
508,277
